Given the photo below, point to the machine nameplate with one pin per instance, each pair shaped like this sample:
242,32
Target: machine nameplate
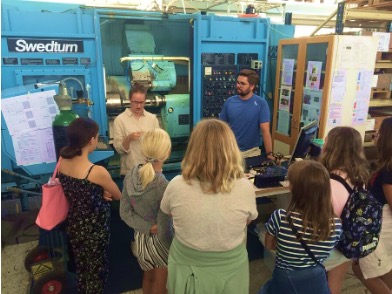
10,61
85,60
52,61
70,60
32,61
24,45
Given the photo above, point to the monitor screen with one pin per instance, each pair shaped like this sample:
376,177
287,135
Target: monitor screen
304,141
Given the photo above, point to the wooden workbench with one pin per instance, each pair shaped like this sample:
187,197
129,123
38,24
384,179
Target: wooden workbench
272,191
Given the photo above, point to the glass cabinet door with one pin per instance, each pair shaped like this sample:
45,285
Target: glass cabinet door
286,89
313,82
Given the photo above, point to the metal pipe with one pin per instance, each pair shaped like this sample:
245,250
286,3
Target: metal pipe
7,171
74,79
323,23
183,6
21,191
161,58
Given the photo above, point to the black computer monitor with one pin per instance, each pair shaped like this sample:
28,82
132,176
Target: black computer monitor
304,141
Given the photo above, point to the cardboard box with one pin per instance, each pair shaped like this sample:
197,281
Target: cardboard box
384,81
378,121
370,123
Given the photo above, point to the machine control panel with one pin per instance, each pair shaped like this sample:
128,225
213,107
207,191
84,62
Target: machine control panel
219,81
219,75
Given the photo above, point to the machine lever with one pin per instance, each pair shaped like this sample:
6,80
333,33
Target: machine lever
7,171
20,191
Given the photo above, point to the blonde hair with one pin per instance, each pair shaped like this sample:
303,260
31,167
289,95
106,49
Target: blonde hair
311,196
156,146
343,151
212,157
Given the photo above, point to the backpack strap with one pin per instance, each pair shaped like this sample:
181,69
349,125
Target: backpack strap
89,170
342,181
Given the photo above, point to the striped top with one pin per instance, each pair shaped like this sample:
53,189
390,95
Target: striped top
290,253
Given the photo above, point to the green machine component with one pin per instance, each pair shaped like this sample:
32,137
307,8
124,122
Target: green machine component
175,116
63,119
176,121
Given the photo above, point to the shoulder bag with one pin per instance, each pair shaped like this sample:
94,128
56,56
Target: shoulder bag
54,208
307,249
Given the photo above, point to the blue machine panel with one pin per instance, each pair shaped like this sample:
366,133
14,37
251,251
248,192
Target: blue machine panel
222,47
189,75
40,48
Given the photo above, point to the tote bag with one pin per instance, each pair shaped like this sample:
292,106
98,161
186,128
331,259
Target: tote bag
54,208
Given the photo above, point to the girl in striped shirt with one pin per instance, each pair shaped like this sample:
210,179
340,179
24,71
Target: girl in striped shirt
310,213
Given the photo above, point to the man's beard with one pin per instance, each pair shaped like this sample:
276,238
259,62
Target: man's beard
242,93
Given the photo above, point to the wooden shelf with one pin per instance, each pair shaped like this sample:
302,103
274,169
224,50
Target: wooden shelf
383,64
368,144
367,14
380,103
361,16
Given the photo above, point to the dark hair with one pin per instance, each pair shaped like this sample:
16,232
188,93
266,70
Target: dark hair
384,144
137,88
253,77
79,134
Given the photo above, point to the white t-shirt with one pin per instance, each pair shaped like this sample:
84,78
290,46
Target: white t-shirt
124,124
209,222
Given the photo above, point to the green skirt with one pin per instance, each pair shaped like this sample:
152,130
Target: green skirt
203,272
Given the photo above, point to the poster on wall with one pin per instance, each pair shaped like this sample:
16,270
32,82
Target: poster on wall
287,71
362,96
338,89
335,115
29,121
364,83
311,106
283,122
383,41
284,98
313,75
350,55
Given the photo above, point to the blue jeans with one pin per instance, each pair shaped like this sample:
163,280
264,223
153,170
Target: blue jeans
298,281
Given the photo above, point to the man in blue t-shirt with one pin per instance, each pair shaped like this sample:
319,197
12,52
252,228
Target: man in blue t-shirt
247,114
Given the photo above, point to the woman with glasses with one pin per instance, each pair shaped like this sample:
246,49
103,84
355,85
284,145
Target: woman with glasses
130,126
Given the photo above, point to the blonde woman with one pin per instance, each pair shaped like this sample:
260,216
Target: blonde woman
139,208
210,203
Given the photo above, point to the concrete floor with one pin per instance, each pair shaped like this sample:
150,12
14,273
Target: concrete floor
16,280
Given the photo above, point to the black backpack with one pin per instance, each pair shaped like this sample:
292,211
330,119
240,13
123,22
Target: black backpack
361,222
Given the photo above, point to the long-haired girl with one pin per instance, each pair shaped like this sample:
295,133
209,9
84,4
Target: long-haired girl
309,218
344,156
88,188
